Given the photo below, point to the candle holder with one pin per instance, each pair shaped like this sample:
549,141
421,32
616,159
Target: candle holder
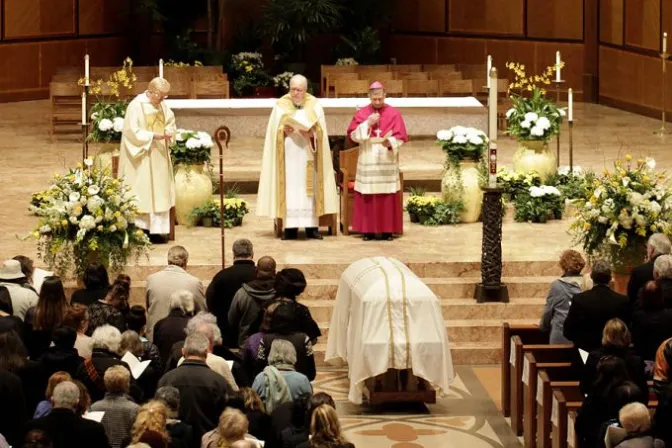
571,148
663,130
557,84
85,125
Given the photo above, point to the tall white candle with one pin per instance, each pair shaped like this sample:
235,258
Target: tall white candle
487,70
86,70
492,106
570,105
558,61
83,108
160,68
665,43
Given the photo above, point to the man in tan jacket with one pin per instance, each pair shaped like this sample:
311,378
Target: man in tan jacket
162,284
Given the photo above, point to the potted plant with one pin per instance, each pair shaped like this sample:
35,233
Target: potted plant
464,148
281,81
234,210
620,210
362,45
533,120
108,112
193,186
250,78
539,204
207,214
422,206
346,62
515,183
87,215
411,206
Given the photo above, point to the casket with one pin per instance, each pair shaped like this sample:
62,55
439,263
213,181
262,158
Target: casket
386,319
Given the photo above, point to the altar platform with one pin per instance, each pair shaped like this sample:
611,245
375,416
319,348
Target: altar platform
249,117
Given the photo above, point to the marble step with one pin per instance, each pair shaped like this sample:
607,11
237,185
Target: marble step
462,353
447,288
463,330
334,270
322,310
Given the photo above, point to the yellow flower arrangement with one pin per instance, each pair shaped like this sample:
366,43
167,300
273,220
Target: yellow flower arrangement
523,82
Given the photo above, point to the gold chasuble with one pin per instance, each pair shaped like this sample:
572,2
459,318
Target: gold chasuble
144,163
279,163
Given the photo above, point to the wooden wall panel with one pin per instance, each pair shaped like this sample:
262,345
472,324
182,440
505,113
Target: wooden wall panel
414,49
461,50
666,19
611,21
102,16
642,23
19,66
38,18
555,19
420,15
496,17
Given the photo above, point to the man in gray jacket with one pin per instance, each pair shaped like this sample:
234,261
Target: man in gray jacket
250,301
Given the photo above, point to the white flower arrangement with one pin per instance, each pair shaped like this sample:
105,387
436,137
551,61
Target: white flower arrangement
462,143
250,57
544,190
346,61
191,147
282,80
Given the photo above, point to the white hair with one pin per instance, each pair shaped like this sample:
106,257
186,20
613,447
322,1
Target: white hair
196,344
209,321
66,395
300,79
660,244
282,352
182,300
106,337
662,267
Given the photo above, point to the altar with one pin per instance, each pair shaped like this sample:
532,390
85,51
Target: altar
249,117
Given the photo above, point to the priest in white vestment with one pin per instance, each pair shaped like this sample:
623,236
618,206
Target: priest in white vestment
385,318
297,181
144,157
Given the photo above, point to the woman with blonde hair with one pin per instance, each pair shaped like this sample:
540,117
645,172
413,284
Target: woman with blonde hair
616,341
560,295
232,427
325,430
152,417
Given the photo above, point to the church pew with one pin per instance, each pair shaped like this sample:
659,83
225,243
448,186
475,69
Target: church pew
547,380
566,361
530,334
517,377
572,442
406,68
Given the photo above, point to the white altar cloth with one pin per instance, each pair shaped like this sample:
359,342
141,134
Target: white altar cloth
384,318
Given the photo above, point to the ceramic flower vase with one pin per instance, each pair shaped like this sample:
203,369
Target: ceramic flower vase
193,188
104,155
535,155
465,176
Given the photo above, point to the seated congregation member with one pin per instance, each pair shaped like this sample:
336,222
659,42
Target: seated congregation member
131,343
14,359
203,392
136,321
36,438
44,407
298,430
61,355
657,245
84,403
635,420
279,382
77,318
96,285
34,276
150,425
611,391
161,285
105,354
290,284
42,319
560,295
252,298
260,424
65,428
120,410
181,434
226,283
662,274
9,322
284,327
232,427
325,430
616,343
13,409
171,329
590,310
251,350
109,310
651,322
23,297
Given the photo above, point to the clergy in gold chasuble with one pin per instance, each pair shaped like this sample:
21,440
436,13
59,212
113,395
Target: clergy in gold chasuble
144,163
297,180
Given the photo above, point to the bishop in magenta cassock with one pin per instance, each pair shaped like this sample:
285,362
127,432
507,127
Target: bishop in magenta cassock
380,131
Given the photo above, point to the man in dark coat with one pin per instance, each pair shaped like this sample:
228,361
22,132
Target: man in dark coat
65,428
658,244
226,283
589,311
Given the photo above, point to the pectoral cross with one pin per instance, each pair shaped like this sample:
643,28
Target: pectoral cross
378,132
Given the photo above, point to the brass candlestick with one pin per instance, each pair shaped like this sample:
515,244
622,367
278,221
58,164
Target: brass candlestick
663,130
557,84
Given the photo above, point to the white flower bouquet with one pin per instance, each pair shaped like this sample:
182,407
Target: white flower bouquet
462,143
282,80
87,215
539,204
346,61
534,118
191,147
621,209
